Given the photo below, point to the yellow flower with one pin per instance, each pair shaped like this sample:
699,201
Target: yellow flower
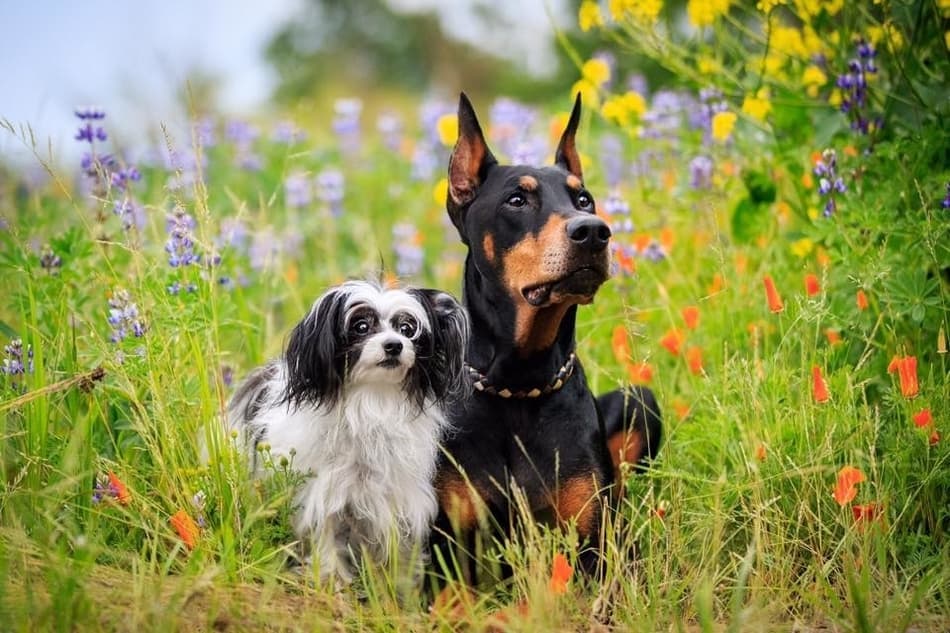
440,192
834,99
704,12
813,78
589,15
641,11
802,248
448,128
944,6
767,5
788,41
811,8
596,71
588,92
707,65
722,124
758,106
622,108
946,39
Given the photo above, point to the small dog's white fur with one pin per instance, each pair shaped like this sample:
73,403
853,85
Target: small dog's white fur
368,451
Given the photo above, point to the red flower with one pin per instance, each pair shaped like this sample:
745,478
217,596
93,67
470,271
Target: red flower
186,527
811,285
771,295
694,360
934,438
761,452
691,317
819,387
672,341
561,572
906,368
833,336
118,489
923,418
848,478
866,512
862,300
640,373
660,510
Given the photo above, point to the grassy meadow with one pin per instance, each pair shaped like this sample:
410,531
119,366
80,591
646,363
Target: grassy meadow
781,280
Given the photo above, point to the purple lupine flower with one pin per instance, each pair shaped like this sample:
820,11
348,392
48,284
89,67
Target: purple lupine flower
130,213
430,111
124,316
232,233
297,190
181,243
50,261
204,130
389,125
638,83
14,364
700,172
829,182
617,210
288,133
663,119
227,376
264,249
528,151
241,133
329,185
946,198
511,123
88,130
406,246
611,159
122,177
424,161
654,252
853,85
346,124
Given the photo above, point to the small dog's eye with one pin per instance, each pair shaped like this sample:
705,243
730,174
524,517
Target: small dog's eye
407,328
361,326
584,200
516,200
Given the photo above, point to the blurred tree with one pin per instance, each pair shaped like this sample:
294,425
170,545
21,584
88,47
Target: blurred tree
367,44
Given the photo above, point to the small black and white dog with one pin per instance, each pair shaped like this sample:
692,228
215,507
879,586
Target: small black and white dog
357,405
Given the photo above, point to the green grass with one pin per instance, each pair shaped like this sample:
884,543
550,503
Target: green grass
750,538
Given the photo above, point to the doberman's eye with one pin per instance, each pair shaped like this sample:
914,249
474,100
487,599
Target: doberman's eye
516,200
584,200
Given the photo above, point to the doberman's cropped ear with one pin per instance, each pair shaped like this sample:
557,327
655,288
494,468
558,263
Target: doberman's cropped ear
566,156
470,159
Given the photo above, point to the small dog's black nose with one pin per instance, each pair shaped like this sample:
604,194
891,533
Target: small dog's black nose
589,231
392,348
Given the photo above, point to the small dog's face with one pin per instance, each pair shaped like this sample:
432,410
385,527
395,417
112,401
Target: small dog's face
535,229
360,333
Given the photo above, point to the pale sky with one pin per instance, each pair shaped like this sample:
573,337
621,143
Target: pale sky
130,57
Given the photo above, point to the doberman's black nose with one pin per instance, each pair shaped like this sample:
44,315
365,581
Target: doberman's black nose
392,348
589,232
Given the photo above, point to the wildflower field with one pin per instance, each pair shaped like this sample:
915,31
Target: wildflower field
779,196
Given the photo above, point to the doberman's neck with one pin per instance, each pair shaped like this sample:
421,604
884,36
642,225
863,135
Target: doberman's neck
517,346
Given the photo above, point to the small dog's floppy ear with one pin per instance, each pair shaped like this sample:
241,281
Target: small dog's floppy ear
315,366
470,159
450,333
566,156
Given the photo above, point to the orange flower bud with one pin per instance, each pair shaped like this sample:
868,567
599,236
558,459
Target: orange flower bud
771,294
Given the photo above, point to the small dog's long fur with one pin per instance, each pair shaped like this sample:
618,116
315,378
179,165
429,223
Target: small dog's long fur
357,404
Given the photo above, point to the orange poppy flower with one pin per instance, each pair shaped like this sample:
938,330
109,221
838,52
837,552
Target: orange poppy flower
906,368
186,527
848,478
660,510
625,262
620,344
691,317
923,418
833,336
819,386
934,438
862,300
119,490
694,360
561,572
812,287
716,285
760,452
771,294
681,408
640,373
672,341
